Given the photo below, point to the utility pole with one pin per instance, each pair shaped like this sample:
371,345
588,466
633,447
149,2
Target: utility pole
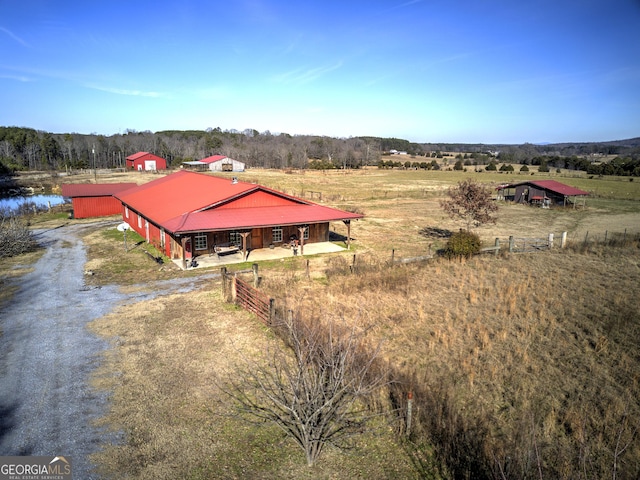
95,168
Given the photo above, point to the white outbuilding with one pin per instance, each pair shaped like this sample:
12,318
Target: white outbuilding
216,163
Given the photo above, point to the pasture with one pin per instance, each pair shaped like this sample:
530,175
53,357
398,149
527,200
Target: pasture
521,366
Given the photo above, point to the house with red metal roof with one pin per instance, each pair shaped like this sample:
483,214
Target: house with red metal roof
187,214
145,161
94,199
543,193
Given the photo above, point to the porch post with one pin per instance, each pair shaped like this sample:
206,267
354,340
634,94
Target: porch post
244,244
183,242
301,232
348,224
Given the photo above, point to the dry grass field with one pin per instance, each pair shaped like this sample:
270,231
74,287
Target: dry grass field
521,366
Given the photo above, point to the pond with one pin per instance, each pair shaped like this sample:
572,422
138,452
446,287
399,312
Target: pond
21,203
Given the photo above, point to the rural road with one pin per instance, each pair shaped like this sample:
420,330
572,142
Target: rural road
47,354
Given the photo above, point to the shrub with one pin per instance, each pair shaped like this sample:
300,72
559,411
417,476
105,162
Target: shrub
462,244
15,236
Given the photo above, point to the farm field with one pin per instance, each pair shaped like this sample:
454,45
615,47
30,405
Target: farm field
399,203
521,366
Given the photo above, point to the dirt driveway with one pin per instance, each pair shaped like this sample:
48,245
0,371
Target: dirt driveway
47,354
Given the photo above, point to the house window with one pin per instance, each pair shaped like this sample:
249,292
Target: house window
139,221
162,240
201,241
235,239
305,235
126,212
276,234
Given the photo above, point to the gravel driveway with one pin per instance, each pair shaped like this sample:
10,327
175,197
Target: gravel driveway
47,354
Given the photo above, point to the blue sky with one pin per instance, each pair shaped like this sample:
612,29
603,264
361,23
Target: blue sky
494,71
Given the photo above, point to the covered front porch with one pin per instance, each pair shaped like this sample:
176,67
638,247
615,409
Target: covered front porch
259,254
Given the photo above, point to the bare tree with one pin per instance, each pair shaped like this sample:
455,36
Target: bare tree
471,203
317,396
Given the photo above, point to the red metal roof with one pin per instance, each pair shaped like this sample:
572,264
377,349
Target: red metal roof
552,186
94,189
558,187
137,155
213,158
189,201
256,217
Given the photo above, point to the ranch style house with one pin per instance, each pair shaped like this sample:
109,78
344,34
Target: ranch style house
187,214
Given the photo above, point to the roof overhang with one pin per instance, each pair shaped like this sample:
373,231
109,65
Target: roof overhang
256,217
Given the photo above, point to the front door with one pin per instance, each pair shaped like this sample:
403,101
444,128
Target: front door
256,238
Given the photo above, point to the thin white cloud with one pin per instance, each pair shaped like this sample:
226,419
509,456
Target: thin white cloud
19,78
402,5
122,91
14,37
304,76
410,2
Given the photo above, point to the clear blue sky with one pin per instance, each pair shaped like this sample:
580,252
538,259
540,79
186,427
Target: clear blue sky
494,71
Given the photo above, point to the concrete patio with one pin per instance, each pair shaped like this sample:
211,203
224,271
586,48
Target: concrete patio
208,261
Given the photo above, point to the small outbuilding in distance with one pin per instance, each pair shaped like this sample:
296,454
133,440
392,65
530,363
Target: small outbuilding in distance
145,161
216,163
543,193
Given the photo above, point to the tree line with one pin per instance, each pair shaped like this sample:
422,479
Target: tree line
29,149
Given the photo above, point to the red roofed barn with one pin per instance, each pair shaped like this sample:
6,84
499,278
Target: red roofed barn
145,161
542,192
95,200
187,214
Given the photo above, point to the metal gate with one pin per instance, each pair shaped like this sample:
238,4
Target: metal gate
526,245
253,300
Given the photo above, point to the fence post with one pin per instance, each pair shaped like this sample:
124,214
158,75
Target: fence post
511,244
409,411
233,289
393,254
225,290
563,242
307,268
256,278
272,310
497,250
550,241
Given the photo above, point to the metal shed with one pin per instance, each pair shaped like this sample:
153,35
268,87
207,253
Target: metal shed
95,199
